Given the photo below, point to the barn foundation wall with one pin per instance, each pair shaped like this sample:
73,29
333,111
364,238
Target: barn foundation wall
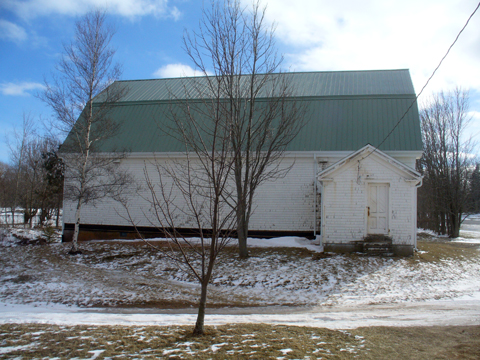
108,232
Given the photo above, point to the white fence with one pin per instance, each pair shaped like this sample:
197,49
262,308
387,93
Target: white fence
6,218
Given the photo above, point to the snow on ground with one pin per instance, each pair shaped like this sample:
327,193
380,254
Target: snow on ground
469,233
11,236
474,217
469,239
287,241
112,275
440,313
43,284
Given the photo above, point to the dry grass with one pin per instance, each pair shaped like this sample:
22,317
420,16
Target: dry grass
239,342
449,342
432,249
439,249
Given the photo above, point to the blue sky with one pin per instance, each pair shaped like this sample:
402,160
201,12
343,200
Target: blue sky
313,35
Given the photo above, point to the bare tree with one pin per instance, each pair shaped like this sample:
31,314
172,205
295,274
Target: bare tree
17,144
447,162
192,190
235,49
33,178
7,177
26,181
54,175
43,178
81,95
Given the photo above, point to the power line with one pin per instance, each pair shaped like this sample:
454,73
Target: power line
424,86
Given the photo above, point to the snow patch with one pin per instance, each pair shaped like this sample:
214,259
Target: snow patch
9,349
96,353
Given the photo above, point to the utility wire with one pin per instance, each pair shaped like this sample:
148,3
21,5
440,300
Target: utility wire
424,86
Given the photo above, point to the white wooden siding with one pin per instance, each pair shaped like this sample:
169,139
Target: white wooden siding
287,204
344,217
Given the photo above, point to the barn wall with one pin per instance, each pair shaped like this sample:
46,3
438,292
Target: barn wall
287,203
345,202
282,205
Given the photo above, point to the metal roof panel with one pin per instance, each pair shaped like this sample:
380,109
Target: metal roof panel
330,83
345,110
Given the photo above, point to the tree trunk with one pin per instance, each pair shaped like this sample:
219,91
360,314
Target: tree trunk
455,231
199,326
443,224
74,250
58,215
242,233
30,221
455,226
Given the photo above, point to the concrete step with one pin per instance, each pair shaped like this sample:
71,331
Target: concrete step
376,245
378,248
377,239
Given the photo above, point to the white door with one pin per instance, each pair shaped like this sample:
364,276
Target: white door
377,208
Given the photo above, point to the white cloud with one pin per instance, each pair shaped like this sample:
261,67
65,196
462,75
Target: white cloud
175,13
175,70
128,8
376,34
20,89
12,32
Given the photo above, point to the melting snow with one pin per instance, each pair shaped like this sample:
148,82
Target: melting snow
340,291
9,349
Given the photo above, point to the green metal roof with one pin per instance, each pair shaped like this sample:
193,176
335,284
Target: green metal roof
345,110
328,83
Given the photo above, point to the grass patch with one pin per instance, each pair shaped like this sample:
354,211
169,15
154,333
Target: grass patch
246,341
437,251
229,341
435,342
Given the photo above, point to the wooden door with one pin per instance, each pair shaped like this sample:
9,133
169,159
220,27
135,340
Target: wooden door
377,221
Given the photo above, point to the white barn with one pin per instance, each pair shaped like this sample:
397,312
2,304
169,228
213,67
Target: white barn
340,190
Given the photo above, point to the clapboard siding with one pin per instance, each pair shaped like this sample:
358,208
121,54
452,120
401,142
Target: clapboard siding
284,204
287,203
345,202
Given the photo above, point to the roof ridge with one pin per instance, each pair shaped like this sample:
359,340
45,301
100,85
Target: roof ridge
391,96
288,73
